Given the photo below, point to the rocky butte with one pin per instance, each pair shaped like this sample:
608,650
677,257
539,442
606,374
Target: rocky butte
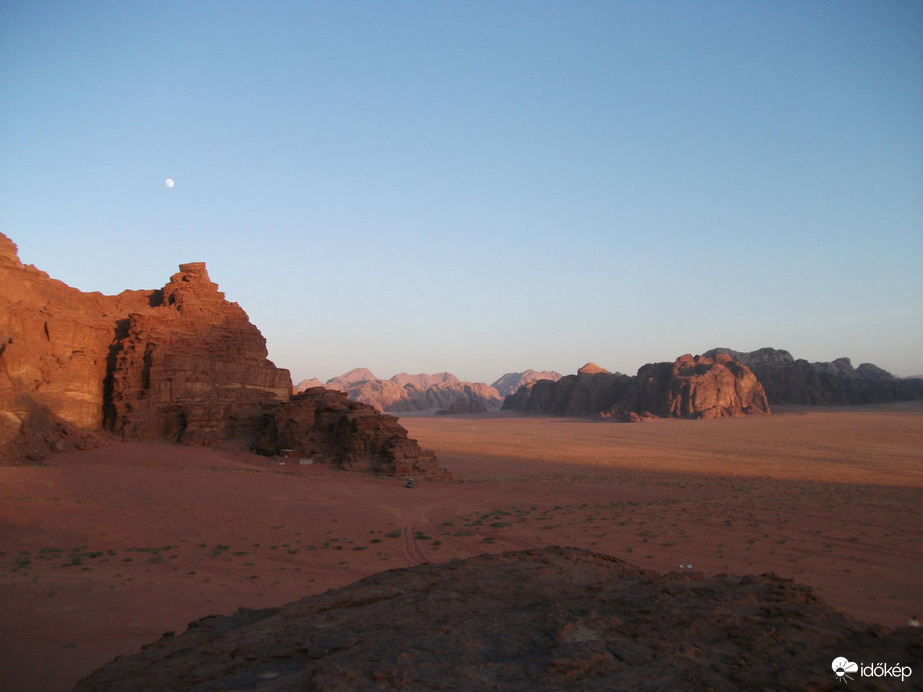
690,387
179,364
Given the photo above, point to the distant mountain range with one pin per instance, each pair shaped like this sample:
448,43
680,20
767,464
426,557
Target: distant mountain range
442,391
785,379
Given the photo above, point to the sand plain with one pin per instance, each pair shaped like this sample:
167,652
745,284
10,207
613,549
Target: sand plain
105,550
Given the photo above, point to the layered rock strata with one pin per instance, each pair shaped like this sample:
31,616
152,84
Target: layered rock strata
690,387
179,363
552,619
192,368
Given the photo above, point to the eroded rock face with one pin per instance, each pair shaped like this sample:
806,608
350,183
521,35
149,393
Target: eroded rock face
54,352
698,387
325,426
790,381
552,619
179,363
690,387
192,368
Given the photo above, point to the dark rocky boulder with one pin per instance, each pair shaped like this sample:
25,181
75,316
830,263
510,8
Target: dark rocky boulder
552,619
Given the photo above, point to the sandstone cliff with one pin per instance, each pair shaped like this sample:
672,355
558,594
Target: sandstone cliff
552,619
690,387
180,363
511,381
790,381
192,368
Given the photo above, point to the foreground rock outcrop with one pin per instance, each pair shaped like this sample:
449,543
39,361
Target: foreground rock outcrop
552,619
180,364
690,387
790,381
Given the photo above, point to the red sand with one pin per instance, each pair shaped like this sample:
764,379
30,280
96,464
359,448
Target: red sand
105,550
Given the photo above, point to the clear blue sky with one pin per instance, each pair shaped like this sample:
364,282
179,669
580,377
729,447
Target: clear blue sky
483,187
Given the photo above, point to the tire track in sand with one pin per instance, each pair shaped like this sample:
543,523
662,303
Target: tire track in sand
413,553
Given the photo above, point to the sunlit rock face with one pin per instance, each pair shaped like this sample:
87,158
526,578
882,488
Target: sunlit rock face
192,367
179,363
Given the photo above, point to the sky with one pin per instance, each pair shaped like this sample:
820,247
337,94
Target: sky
483,187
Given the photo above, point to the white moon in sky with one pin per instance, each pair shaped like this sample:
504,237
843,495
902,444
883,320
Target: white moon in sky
168,182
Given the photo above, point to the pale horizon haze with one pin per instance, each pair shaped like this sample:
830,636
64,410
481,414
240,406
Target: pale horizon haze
483,187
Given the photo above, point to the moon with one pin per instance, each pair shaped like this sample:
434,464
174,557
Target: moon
168,182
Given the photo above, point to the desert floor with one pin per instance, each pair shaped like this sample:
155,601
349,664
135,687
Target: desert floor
105,550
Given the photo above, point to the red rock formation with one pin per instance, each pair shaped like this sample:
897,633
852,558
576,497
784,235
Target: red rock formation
540,620
699,387
54,352
690,387
181,364
193,368
325,426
